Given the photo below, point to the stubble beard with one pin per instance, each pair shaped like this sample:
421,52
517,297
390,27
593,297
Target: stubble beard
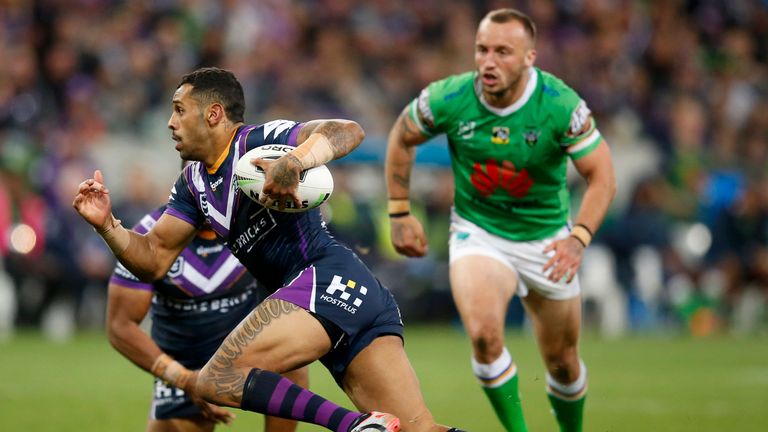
506,91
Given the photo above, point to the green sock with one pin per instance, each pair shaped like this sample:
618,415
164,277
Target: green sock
567,400
506,402
569,413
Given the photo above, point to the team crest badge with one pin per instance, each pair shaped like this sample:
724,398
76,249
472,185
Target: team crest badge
500,135
531,137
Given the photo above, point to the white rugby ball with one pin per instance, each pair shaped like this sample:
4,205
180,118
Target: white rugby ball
315,184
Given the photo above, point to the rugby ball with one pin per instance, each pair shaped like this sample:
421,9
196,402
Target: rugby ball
315,184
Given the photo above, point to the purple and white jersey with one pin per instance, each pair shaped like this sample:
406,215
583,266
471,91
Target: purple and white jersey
272,245
206,293
205,268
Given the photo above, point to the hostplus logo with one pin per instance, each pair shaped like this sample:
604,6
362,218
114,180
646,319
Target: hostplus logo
339,294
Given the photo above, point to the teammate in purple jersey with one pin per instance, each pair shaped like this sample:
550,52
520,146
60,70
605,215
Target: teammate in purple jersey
206,293
326,305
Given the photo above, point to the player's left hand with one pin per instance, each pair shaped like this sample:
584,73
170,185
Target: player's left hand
281,181
566,260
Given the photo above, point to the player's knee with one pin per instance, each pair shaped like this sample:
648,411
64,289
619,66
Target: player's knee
486,339
562,366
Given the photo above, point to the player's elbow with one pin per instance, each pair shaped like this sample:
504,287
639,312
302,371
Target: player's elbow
356,132
116,332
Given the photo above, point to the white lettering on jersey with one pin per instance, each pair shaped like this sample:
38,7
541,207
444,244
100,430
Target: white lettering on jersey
277,126
424,110
580,119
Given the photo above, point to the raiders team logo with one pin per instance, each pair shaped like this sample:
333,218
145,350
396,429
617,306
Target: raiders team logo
531,137
500,135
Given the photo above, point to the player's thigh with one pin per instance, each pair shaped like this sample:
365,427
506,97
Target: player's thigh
381,378
556,323
278,336
196,424
482,287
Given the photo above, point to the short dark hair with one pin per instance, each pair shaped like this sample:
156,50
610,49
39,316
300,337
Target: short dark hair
501,16
211,84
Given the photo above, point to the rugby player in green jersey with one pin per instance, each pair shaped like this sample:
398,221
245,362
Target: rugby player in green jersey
511,129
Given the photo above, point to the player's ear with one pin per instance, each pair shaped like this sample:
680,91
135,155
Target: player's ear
530,57
214,114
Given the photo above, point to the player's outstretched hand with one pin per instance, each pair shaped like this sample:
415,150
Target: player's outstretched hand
281,181
566,260
210,411
92,201
408,236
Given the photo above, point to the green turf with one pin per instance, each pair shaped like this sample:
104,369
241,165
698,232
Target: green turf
637,384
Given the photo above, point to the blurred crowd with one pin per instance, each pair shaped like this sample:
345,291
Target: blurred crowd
679,88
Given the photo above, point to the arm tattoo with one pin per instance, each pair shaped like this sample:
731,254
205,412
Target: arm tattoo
403,180
341,138
407,131
228,381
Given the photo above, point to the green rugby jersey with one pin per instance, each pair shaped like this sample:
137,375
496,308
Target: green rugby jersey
509,164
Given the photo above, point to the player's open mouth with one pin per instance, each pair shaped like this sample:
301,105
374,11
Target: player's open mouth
489,79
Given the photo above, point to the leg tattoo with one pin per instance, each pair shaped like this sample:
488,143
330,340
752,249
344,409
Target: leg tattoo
228,380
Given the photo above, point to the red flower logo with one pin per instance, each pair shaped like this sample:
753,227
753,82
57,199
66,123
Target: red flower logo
506,177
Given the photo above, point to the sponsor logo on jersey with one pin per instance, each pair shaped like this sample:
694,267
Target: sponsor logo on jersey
221,305
216,184
487,179
341,294
500,135
204,251
462,235
466,129
259,224
531,137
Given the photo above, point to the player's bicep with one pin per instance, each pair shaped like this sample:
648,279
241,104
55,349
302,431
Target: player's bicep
597,164
407,130
168,238
320,125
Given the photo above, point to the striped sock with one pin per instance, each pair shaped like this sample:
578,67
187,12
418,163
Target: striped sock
269,393
500,384
567,400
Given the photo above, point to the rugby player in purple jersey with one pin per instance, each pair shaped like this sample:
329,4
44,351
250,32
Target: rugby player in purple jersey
325,303
204,295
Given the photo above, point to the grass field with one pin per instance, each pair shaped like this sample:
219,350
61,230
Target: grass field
636,384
